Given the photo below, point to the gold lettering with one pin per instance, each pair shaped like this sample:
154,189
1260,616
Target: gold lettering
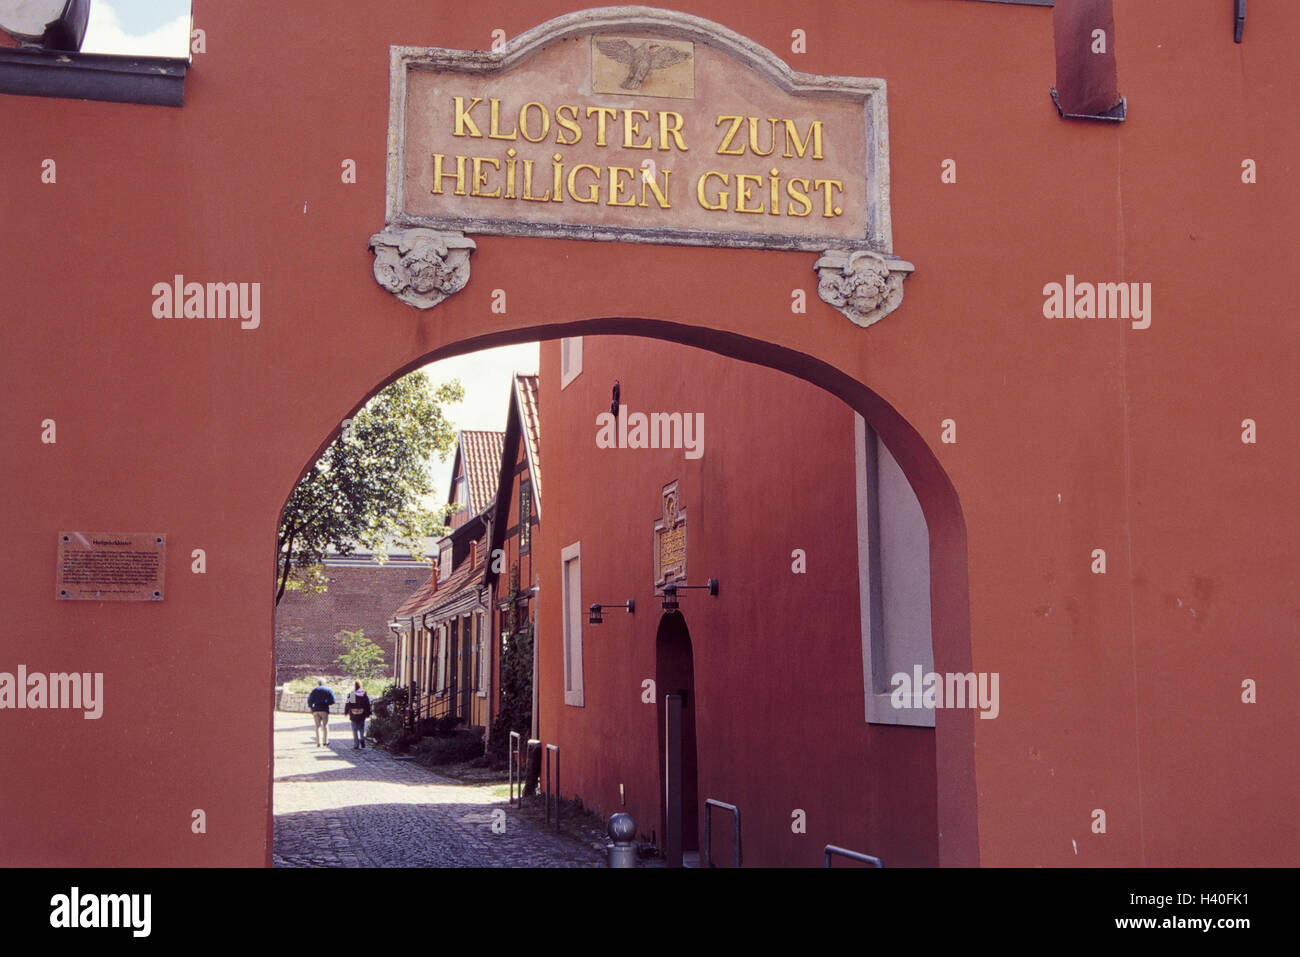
439,175
731,134
495,131
523,122
569,124
557,168
601,113
799,195
510,172
528,185
593,191
463,120
743,192
631,129
652,184
753,137
723,195
480,176
801,146
774,207
675,130
826,185
616,185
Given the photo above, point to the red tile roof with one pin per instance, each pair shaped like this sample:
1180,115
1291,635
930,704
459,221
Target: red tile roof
466,577
526,389
418,597
480,452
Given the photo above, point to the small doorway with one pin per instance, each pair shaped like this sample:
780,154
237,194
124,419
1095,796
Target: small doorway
467,651
676,707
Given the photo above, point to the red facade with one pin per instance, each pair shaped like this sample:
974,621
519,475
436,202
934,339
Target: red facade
1149,682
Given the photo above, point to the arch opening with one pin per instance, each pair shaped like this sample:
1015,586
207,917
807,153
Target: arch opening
954,730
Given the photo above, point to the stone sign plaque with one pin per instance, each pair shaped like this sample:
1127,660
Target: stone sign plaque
635,124
670,540
111,566
632,124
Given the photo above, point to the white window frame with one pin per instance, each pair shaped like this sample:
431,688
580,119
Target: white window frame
572,598
878,631
570,360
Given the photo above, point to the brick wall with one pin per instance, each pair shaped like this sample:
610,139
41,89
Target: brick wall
297,701
307,626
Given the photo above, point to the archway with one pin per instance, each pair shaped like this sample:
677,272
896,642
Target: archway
954,730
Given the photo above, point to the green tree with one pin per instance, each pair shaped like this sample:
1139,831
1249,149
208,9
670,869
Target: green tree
361,658
366,490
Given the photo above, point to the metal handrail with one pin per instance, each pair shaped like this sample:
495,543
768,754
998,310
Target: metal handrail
831,849
709,805
514,759
556,749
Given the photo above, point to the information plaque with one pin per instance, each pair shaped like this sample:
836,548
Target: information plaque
111,566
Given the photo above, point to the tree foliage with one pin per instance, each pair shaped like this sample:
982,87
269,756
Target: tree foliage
361,658
366,490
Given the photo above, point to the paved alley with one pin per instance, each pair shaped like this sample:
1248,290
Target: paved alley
338,807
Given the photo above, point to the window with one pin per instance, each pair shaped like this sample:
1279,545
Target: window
462,492
571,559
570,360
525,514
893,581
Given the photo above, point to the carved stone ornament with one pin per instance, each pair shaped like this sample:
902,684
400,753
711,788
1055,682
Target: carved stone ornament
863,285
419,266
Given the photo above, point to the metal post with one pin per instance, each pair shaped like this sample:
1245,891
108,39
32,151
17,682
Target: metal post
622,831
709,805
556,749
516,767
831,849
673,778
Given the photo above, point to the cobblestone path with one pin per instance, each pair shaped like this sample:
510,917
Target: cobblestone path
337,807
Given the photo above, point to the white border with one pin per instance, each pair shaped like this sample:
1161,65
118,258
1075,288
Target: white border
575,695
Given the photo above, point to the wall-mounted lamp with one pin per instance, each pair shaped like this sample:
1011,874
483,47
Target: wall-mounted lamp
670,593
595,618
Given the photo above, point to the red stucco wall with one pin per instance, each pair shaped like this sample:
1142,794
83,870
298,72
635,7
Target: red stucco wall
1120,692
777,654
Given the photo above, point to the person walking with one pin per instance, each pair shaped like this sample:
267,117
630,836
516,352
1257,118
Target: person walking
358,709
320,701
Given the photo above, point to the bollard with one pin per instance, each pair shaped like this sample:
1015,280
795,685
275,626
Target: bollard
622,831
532,767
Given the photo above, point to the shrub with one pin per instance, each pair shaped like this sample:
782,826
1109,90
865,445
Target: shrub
387,718
516,712
453,749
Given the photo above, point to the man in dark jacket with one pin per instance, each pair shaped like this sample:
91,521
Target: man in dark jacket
320,701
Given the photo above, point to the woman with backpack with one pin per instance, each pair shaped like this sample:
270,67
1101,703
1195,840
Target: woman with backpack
358,709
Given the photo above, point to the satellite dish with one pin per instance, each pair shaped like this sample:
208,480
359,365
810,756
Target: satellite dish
49,24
